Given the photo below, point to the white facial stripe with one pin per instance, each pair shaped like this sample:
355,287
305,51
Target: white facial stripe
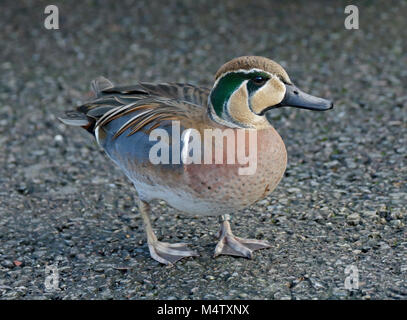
242,71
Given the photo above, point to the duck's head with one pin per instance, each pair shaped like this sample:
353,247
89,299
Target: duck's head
247,88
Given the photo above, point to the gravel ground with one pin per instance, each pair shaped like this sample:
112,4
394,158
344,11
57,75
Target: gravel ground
342,201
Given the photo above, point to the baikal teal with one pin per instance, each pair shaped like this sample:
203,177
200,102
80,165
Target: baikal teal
124,118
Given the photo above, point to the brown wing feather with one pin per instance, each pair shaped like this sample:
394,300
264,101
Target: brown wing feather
150,103
152,112
178,91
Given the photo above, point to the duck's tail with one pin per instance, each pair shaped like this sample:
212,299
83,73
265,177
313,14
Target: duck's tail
86,115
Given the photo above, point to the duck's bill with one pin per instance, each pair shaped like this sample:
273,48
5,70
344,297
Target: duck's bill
296,98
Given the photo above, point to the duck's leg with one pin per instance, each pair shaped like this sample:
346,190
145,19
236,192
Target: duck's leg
163,252
235,246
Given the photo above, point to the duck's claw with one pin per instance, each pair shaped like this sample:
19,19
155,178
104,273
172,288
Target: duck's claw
235,246
169,253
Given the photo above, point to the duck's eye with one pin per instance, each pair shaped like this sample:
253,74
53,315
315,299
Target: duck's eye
259,80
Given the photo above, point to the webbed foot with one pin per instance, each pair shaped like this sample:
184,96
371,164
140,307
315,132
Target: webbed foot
163,252
229,244
169,253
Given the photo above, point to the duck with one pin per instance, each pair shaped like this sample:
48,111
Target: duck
157,135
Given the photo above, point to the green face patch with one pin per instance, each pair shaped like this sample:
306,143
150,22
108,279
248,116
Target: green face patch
229,83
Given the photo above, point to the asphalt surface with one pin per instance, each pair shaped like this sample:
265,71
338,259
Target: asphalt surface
342,201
